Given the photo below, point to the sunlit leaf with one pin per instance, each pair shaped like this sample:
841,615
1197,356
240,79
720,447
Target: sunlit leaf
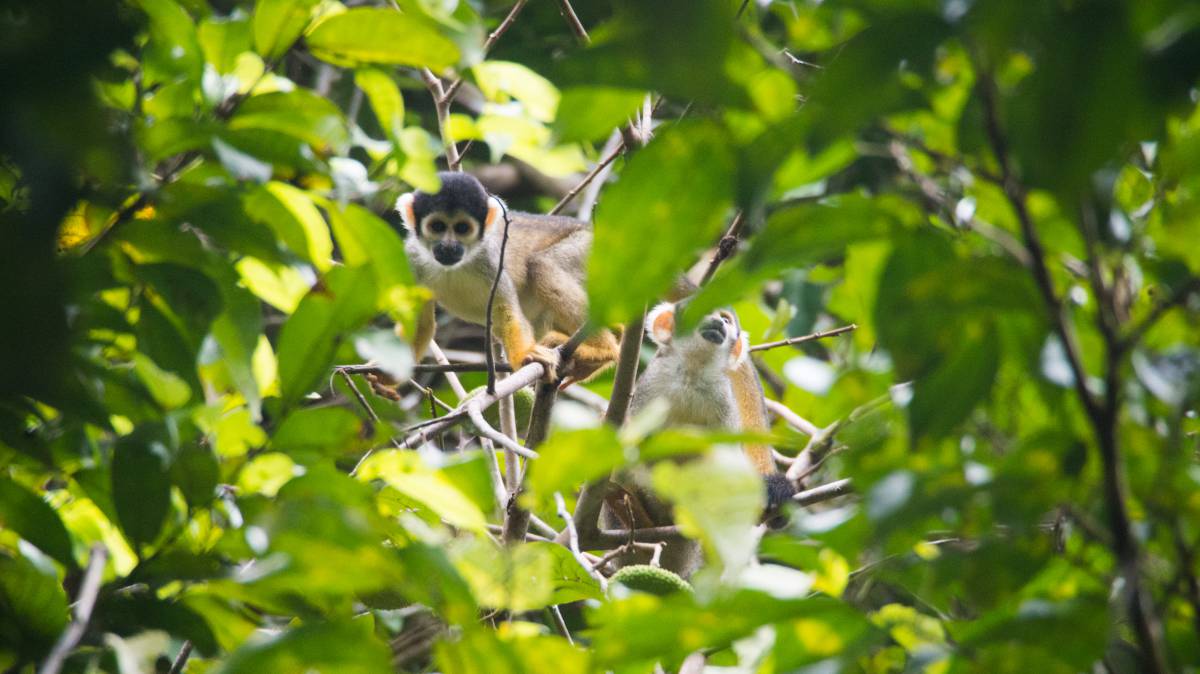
370,35
22,512
277,23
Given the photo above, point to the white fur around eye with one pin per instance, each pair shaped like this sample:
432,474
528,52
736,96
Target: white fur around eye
660,323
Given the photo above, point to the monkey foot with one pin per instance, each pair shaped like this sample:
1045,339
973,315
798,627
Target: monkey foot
547,357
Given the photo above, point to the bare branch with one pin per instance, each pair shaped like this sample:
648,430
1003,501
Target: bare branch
725,246
506,387
365,405
792,419
450,91
600,166
804,338
481,424
1102,414
573,542
185,651
568,13
85,602
455,384
442,107
823,493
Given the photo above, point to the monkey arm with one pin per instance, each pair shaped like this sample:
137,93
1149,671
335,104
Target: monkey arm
752,412
514,331
426,327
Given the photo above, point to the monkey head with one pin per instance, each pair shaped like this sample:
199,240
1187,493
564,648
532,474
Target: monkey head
451,223
717,340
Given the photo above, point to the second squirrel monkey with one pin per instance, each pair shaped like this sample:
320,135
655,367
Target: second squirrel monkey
453,246
707,380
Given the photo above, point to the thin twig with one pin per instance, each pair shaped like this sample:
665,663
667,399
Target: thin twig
365,405
452,89
587,202
568,13
823,493
427,367
85,602
451,378
481,424
491,361
570,195
573,542
185,651
507,387
442,107
725,246
791,418
559,623
805,338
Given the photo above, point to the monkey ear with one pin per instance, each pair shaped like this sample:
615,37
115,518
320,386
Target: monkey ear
404,205
660,323
739,352
495,211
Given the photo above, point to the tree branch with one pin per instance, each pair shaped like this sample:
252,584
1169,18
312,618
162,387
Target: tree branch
1102,414
84,603
573,542
450,91
600,166
487,352
725,246
804,338
568,13
442,107
823,493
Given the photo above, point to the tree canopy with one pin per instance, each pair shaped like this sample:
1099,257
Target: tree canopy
975,224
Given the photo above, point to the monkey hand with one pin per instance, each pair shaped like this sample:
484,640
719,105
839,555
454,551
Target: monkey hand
547,356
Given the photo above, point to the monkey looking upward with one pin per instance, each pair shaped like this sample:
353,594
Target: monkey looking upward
707,380
453,245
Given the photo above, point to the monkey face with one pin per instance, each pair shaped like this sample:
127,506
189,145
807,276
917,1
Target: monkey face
718,337
452,222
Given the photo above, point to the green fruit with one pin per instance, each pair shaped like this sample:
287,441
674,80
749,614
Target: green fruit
651,579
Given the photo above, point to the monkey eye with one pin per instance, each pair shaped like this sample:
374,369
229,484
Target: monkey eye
462,228
726,317
437,226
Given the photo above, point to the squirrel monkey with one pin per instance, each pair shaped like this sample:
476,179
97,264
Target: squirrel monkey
707,380
453,245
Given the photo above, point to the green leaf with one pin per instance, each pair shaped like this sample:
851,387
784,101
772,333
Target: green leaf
195,471
236,332
517,579
370,35
132,615
587,112
964,377
404,472
224,39
173,50
324,646
479,650
571,458
169,391
300,113
277,24
141,487
324,431
31,518
646,235
501,80
792,237
678,47
33,607
365,238
310,337
385,99
718,499
291,213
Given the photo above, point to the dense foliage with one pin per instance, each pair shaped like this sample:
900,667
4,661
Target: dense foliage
1002,196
